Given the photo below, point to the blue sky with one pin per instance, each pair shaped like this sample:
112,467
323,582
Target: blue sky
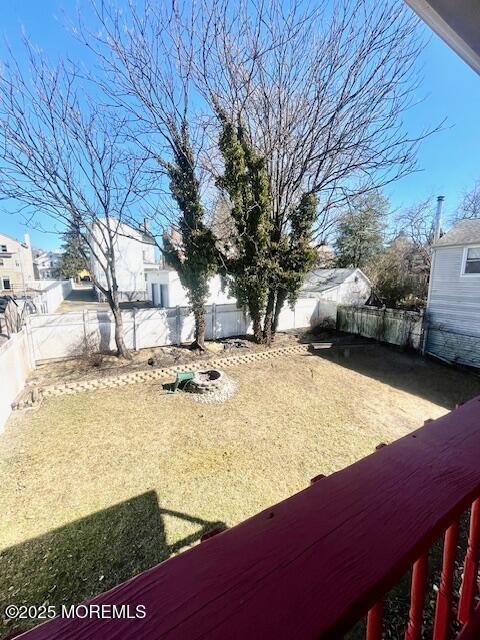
449,160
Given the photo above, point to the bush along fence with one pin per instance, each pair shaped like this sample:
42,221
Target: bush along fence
403,328
71,334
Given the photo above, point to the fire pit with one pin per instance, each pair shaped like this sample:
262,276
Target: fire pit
206,381
210,385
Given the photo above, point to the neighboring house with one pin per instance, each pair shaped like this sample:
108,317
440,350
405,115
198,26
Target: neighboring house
453,306
45,264
457,23
342,286
16,265
166,290
134,252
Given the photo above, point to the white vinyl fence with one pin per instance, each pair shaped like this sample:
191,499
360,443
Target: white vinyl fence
398,327
16,362
64,335
48,295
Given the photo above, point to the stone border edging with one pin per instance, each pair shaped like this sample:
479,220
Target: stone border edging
134,377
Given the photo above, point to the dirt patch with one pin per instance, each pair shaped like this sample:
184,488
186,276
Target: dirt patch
91,367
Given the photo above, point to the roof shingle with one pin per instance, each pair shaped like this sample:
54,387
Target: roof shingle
464,232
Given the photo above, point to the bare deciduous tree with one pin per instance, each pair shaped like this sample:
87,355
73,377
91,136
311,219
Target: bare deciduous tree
64,156
402,271
418,225
319,90
470,206
147,79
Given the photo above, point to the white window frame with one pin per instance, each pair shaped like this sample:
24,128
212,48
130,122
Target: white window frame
463,274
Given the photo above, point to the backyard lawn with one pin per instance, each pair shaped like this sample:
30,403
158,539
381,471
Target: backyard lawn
98,486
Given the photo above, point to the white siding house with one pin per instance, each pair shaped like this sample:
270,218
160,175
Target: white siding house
134,251
453,307
45,264
164,289
343,286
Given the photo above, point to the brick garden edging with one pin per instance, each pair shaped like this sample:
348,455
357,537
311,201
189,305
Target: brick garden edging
134,377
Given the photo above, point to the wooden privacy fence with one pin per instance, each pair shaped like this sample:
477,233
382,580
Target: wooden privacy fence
315,564
398,327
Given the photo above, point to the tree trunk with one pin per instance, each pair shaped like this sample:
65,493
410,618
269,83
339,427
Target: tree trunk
269,316
122,351
281,297
199,314
257,329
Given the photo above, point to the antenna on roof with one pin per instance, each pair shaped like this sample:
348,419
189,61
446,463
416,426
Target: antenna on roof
438,218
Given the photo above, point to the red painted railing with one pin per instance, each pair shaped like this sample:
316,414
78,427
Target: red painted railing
315,564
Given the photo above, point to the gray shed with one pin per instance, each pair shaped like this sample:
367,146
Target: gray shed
453,308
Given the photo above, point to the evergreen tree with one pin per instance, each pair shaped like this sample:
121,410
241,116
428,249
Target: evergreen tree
246,183
295,257
73,255
193,257
361,231
269,264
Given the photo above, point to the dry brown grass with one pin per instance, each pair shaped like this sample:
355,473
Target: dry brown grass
98,486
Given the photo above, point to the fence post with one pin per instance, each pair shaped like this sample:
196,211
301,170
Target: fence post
30,342
85,335
423,332
214,321
178,326
135,347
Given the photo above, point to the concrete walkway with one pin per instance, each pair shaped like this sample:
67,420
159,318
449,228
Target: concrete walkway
81,297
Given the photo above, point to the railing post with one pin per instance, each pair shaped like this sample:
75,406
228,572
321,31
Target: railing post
443,612
417,599
375,622
470,570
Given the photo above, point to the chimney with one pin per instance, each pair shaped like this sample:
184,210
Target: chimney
26,240
146,225
438,218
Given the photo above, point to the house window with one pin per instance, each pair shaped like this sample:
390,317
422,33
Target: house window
1,262
472,261
6,283
3,248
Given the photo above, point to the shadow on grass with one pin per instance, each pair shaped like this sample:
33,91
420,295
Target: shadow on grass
91,555
410,372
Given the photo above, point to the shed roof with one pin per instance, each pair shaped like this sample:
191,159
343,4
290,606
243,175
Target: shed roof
324,279
464,232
